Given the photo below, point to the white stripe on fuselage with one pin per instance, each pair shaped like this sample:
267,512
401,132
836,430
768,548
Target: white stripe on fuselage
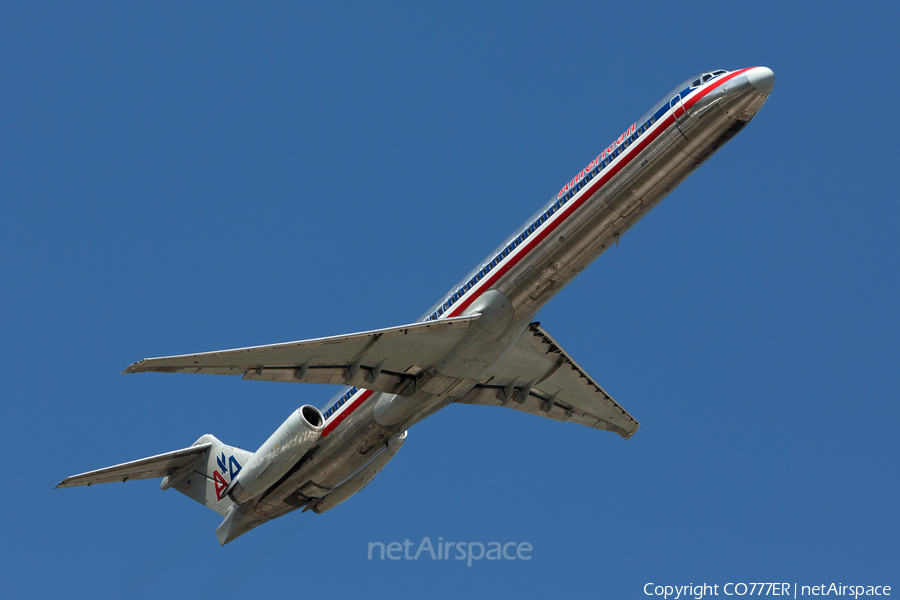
565,211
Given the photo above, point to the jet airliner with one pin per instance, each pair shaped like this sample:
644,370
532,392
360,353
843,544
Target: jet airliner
479,344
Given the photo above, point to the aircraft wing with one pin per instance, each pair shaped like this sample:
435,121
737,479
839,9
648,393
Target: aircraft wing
384,360
145,468
537,376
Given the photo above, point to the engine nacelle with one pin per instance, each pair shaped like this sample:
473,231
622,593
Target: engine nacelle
278,454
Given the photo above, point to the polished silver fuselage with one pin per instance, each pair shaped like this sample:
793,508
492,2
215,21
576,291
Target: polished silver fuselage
602,208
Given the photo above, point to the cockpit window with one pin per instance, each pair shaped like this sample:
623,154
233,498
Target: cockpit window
691,83
706,77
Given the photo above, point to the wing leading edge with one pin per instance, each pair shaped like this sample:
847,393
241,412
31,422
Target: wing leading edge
538,377
384,360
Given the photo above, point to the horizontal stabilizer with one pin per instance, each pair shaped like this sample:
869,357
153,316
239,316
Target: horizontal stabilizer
160,465
384,360
538,377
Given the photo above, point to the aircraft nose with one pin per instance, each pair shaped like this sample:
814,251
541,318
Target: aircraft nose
762,78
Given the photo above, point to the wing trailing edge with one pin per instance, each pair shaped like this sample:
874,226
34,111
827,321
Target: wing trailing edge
538,377
384,360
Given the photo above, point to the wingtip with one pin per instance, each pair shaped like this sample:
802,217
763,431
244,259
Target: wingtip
627,436
133,367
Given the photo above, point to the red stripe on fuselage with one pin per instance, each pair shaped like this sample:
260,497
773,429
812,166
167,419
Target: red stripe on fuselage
539,236
354,404
693,100
573,206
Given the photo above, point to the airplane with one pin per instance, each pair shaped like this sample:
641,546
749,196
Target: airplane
478,344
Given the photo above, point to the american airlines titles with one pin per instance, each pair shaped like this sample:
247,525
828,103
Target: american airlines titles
593,164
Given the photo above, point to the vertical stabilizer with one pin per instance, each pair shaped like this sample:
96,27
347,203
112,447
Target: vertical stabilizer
205,481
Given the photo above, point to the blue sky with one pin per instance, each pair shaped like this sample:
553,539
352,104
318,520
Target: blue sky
188,178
